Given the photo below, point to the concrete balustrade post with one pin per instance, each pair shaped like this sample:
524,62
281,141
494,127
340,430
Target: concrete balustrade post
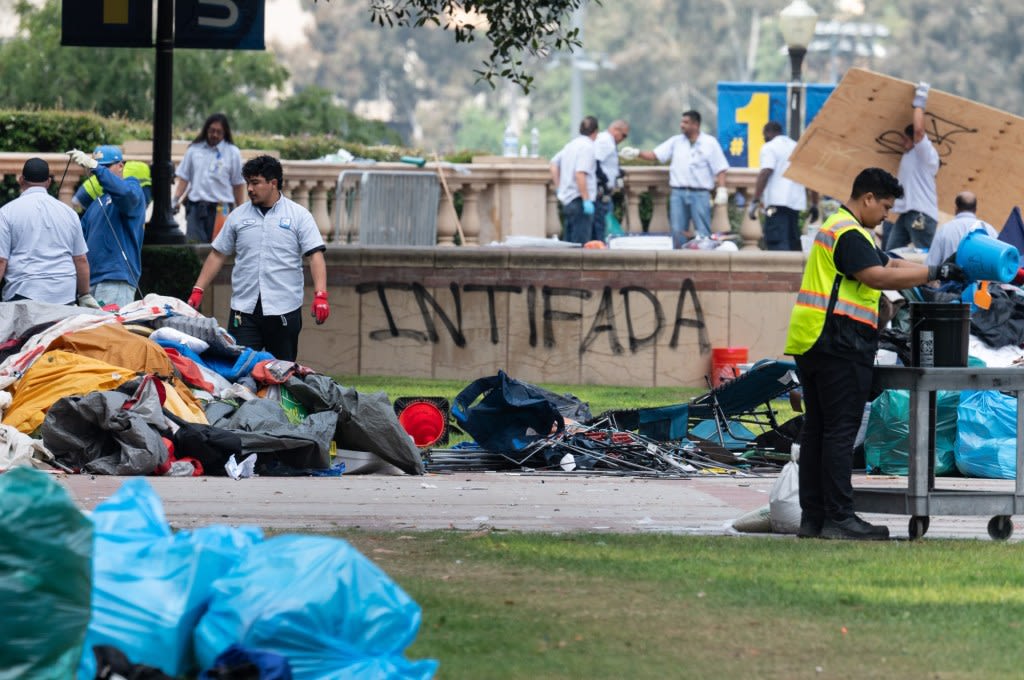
552,223
720,219
750,229
318,208
633,222
447,216
659,213
471,212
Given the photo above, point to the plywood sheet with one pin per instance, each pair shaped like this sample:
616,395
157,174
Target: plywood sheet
980,148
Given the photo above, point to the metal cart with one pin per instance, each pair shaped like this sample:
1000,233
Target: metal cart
921,499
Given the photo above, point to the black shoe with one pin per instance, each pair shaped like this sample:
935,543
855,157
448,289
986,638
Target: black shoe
854,529
810,527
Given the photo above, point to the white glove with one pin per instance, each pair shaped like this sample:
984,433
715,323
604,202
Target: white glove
175,203
83,159
721,196
87,300
629,153
921,94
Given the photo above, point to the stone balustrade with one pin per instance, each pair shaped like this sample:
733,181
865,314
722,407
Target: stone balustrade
499,197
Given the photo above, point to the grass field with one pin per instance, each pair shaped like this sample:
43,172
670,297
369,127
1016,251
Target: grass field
509,605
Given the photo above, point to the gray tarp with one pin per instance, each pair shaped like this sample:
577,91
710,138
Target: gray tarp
97,434
366,422
264,429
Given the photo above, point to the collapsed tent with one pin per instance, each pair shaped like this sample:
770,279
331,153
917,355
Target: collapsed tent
109,393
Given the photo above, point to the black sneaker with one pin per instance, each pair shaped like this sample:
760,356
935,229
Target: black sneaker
810,527
854,529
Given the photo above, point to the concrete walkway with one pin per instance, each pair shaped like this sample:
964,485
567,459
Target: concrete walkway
503,501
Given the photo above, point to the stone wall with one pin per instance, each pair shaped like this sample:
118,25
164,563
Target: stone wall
569,316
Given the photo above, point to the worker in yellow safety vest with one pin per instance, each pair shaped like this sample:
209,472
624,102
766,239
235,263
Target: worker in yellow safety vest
833,336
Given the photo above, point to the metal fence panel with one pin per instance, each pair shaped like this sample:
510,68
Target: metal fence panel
388,207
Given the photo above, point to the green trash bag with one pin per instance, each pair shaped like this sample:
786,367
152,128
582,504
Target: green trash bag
612,226
887,441
45,577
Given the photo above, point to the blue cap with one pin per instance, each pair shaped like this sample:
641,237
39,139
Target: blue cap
107,154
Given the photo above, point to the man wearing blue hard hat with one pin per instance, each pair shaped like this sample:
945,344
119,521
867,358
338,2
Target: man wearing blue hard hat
113,225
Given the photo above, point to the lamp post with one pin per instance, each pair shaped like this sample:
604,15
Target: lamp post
797,23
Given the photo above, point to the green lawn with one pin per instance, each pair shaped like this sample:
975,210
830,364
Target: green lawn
508,605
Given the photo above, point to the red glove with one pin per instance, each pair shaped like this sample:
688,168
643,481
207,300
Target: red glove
321,310
196,298
1019,278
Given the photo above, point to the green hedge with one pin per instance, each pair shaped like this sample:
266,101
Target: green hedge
169,270
58,131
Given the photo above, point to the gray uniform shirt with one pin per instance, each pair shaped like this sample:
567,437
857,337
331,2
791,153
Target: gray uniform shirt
268,252
211,171
38,237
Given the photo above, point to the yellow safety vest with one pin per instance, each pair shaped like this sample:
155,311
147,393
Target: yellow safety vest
825,290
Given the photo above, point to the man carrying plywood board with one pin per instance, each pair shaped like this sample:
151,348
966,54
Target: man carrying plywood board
980,148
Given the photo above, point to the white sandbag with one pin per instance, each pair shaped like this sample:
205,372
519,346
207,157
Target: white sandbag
784,500
754,522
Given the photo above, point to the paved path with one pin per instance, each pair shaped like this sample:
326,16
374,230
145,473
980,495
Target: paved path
506,501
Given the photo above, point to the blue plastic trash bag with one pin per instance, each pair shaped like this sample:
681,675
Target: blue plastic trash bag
319,603
987,444
45,580
150,585
887,441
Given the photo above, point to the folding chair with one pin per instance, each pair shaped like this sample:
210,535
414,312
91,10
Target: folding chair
747,400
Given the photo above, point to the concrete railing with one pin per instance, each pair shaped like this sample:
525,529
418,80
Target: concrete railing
499,197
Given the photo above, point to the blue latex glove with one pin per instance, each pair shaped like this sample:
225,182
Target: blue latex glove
588,207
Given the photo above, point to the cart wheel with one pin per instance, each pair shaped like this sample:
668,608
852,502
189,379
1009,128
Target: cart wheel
1000,527
918,526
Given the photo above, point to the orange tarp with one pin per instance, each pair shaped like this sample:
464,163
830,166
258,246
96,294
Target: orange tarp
58,374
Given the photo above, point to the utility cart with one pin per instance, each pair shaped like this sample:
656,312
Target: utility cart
921,499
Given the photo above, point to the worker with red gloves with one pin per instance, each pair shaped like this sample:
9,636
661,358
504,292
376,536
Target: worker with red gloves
269,237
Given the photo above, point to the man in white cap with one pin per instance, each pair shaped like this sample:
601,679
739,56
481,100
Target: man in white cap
114,226
42,250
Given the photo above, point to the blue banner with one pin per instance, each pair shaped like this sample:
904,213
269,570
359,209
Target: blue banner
219,24
744,108
106,23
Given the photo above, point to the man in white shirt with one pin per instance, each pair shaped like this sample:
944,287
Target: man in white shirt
269,237
948,237
696,166
574,173
919,208
783,199
211,170
606,154
42,247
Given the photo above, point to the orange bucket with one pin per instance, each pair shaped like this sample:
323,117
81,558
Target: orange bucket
725,363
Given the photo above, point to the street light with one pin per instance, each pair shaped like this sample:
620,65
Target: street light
797,23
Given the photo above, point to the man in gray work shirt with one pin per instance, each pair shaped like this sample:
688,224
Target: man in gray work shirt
269,237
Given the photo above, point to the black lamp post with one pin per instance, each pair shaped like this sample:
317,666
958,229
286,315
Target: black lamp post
797,23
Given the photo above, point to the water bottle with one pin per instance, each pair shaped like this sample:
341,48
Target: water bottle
534,143
511,144
522,151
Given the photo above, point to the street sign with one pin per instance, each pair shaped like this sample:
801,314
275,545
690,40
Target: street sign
219,24
107,23
744,108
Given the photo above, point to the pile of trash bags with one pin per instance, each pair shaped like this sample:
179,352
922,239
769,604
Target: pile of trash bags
120,590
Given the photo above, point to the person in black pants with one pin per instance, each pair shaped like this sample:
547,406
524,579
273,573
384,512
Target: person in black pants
833,336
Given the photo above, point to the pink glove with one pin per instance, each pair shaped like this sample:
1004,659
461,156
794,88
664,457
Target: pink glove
196,298
321,310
